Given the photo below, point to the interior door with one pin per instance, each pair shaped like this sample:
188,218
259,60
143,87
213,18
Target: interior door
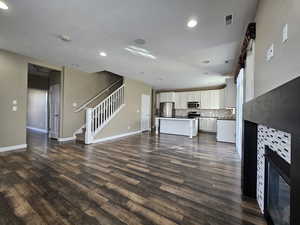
146,113
54,105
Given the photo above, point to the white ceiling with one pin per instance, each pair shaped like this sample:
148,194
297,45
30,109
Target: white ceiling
32,28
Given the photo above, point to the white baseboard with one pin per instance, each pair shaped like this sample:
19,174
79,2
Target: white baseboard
66,139
115,137
12,148
37,129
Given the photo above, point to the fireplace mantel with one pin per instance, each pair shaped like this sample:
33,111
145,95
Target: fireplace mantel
278,109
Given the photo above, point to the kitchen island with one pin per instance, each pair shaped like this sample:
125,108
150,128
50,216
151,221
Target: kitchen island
177,125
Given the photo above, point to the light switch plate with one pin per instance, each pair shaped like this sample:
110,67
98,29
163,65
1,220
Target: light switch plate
285,32
270,53
15,108
14,102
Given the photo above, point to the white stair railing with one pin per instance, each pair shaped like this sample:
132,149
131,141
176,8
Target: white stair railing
100,115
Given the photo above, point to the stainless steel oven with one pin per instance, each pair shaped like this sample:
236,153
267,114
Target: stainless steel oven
193,105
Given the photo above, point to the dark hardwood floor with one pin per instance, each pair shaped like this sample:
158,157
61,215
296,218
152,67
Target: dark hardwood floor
142,179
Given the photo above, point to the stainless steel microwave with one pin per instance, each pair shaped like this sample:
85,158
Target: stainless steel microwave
193,105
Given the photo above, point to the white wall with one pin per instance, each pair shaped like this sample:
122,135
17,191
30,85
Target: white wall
249,73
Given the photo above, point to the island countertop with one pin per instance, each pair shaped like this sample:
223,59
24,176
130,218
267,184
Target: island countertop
176,118
177,125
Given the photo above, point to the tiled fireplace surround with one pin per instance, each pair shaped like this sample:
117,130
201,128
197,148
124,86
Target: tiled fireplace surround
276,140
272,120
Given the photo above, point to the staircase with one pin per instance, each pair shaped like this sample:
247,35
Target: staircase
99,116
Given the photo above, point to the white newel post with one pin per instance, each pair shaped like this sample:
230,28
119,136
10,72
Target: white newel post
88,132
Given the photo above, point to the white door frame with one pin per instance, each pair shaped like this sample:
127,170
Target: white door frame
145,112
240,99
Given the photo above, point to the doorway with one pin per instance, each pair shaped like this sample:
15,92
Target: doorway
43,102
146,113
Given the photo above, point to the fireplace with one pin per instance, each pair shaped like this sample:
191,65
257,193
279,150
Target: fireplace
272,177
277,189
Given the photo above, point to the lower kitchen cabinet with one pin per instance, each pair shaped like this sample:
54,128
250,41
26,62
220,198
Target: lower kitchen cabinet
226,131
208,124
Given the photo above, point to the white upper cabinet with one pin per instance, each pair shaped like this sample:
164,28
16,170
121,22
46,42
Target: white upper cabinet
193,96
167,97
230,93
212,99
181,99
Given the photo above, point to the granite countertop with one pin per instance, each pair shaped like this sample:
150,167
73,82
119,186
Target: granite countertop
221,118
209,117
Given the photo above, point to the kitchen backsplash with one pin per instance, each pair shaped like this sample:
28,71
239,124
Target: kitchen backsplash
219,113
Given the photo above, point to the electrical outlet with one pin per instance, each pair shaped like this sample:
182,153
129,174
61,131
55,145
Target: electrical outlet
285,35
15,108
74,104
270,53
14,102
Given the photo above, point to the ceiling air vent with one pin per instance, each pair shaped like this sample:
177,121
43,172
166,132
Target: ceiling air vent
228,20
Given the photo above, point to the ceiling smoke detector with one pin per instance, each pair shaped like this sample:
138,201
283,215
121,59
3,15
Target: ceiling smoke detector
65,38
228,20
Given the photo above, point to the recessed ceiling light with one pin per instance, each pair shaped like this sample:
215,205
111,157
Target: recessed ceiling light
103,54
192,23
3,5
